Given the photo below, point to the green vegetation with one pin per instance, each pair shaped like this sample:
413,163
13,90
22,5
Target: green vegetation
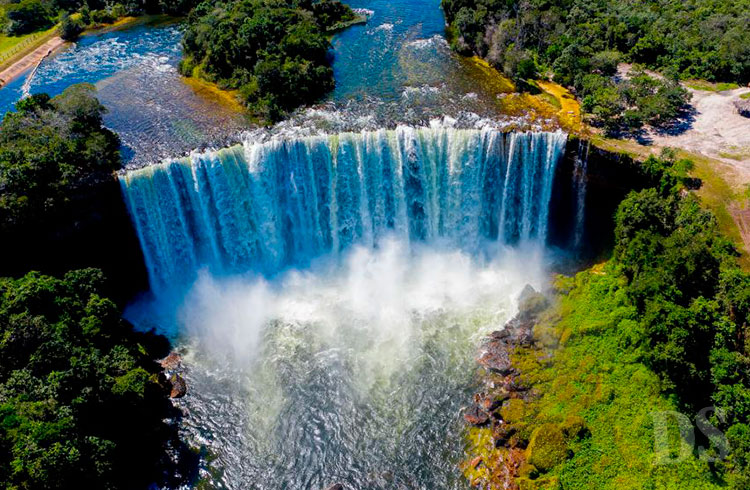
581,42
19,18
275,52
80,406
711,87
662,326
81,403
49,149
745,96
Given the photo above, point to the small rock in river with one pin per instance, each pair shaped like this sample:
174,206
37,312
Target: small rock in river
171,362
179,387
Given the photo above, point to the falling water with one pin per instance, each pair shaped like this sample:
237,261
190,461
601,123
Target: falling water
265,206
337,287
580,176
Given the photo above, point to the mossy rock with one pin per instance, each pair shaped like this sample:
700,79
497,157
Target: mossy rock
533,304
513,410
528,470
547,447
548,483
574,428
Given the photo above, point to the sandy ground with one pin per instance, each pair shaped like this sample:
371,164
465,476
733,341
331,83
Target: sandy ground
715,129
29,60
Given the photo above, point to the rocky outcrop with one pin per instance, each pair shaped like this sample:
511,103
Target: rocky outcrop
501,404
743,107
172,376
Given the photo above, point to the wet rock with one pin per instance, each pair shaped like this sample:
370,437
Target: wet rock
335,486
178,386
486,402
476,416
495,357
171,362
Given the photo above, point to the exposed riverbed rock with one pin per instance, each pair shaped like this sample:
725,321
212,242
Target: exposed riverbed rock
178,386
743,107
502,405
335,486
172,362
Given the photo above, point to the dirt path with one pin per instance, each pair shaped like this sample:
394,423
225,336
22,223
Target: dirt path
29,60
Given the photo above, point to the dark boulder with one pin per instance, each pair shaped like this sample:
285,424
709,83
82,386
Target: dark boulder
179,387
743,107
474,415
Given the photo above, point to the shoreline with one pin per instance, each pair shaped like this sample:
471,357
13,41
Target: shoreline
29,60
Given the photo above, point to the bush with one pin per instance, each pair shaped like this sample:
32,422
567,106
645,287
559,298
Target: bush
547,447
70,29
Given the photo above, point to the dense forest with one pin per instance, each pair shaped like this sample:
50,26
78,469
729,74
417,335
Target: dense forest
274,52
26,16
81,402
580,43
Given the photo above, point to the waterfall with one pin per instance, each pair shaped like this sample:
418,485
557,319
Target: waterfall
580,176
263,206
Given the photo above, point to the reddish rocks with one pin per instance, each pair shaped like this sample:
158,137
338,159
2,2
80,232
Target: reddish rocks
179,387
503,387
173,382
476,416
171,362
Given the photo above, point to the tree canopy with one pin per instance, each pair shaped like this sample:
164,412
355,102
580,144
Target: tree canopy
80,405
49,148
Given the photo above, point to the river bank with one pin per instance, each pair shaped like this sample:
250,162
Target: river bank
29,60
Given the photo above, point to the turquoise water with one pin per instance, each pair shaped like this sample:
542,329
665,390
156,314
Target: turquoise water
396,69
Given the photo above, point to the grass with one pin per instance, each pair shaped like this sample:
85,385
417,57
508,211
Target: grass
745,96
710,86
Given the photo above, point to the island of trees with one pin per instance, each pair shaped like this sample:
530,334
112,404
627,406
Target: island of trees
275,53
